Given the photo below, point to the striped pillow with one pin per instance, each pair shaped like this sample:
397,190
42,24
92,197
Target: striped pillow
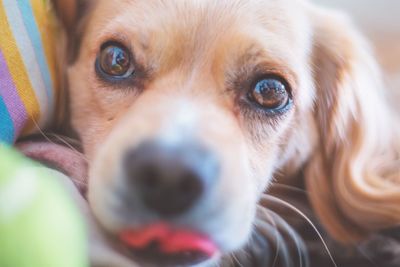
27,67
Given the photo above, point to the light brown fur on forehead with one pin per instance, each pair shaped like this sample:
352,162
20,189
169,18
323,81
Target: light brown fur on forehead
199,46
187,33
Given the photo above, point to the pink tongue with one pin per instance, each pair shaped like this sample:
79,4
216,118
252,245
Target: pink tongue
170,241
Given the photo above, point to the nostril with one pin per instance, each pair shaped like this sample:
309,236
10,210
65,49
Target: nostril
191,185
173,195
149,177
149,184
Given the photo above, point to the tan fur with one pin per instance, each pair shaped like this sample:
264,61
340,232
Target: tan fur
354,177
196,56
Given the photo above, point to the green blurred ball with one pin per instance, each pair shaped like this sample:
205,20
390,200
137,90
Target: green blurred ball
39,224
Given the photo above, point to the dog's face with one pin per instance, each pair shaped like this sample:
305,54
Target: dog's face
185,109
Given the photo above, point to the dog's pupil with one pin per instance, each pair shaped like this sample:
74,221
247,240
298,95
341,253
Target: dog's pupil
270,93
121,59
114,61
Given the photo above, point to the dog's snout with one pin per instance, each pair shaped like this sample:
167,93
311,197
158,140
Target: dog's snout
170,179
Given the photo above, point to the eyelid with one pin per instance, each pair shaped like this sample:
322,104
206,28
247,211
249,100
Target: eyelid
114,38
114,43
276,76
246,76
276,69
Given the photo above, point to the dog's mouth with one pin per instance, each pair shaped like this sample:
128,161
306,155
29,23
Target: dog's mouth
161,243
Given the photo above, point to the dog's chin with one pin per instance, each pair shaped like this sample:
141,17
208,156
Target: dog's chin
150,257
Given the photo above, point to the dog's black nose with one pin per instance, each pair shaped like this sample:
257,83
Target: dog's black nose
170,179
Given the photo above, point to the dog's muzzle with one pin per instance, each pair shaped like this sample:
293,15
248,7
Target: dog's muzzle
169,181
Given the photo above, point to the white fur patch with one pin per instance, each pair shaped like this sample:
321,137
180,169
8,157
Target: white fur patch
182,123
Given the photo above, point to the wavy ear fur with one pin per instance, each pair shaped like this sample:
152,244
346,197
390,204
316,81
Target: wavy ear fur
354,175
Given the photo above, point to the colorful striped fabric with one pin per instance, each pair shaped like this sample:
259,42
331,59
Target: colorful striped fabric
27,67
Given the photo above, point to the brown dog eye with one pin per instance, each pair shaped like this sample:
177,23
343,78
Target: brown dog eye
115,61
270,93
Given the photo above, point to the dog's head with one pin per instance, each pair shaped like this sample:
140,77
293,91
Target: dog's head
188,109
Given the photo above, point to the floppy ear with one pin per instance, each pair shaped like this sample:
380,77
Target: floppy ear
354,175
67,12
73,15
70,12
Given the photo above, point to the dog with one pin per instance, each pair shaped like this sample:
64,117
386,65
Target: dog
189,110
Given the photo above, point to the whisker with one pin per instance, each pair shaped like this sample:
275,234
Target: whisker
41,132
276,233
282,248
65,142
237,260
290,188
266,229
234,255
296,210
47,137
300,246
366,256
